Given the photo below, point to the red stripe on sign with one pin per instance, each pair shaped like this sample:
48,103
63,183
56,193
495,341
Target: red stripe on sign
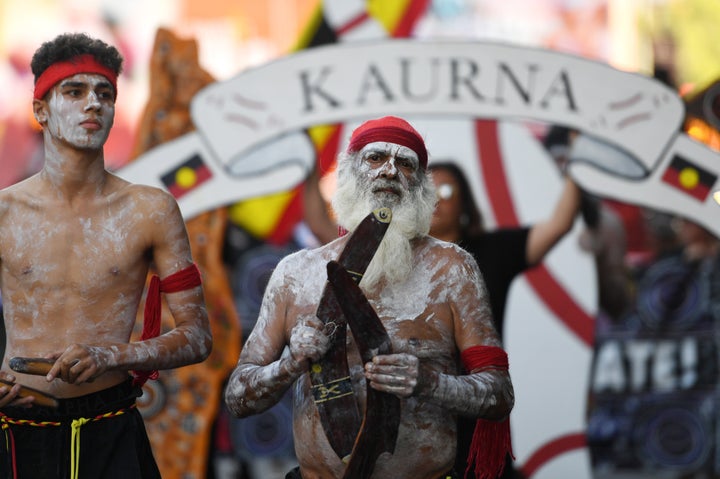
550,291
551,450
413,12
494,175
561,304
353,23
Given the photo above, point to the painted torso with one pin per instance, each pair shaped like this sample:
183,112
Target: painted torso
420,316
71,274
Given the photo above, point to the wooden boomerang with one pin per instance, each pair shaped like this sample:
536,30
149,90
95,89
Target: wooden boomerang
330,377
380,424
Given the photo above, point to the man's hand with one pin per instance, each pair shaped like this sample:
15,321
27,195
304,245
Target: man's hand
308,340
394,373
80,363
9,393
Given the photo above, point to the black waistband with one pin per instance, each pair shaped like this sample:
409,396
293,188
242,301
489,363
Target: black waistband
295,474
108,400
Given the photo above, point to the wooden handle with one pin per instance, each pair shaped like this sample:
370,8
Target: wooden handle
39,366
41,398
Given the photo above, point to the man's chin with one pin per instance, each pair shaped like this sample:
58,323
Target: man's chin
386,199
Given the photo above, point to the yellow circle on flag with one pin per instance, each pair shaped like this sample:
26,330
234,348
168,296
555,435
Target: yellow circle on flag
689,178
185,177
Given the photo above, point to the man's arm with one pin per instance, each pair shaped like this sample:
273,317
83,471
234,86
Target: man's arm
545,234
485,392
259,382
266,369
254,388
10,392
190,341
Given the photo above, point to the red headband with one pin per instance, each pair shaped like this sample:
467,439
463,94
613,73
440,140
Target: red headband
389,129
81,64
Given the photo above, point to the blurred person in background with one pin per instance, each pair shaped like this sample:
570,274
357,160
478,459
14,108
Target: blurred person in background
501,255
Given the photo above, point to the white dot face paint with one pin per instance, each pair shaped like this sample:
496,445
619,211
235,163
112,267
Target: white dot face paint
81,110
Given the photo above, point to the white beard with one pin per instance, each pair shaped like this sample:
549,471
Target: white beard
411,218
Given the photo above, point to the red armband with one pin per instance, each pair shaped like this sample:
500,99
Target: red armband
491,440
180,281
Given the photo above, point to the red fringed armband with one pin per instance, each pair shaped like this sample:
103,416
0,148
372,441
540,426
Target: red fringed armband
491,439
184,279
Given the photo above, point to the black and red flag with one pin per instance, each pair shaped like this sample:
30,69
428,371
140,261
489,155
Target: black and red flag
186,176
689,178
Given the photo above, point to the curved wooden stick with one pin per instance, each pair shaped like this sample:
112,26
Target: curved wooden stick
37,366
41,398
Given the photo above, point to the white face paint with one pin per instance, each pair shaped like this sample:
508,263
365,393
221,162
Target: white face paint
388,171
81,110
389,160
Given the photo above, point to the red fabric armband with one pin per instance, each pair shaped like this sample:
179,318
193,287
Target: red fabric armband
491,440
184,279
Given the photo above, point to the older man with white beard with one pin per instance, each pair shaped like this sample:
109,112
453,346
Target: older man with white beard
430,298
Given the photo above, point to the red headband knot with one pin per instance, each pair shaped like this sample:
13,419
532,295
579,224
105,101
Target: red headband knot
80,64
390,129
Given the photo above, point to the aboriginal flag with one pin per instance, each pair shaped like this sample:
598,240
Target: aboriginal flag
689,178
187,176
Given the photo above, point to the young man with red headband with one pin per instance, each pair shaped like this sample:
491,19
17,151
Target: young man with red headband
76,246
431,301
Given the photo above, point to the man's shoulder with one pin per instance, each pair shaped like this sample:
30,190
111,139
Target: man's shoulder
22,185
25,189
306,261
144,195
446,253
121,184
441,247
305,268
306,257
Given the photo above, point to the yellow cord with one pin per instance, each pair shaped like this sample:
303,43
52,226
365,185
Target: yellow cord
75,446
74,433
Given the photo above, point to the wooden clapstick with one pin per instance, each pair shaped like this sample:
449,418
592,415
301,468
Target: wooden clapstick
38,366
41,398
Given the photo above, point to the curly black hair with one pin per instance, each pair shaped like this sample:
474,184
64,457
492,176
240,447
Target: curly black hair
70,45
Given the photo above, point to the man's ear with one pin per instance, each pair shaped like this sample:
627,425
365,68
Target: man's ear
40,111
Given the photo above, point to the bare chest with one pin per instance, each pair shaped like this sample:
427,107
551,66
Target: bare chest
54,247
415,320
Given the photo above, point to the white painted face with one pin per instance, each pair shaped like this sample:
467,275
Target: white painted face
389,160
387,171
81,110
